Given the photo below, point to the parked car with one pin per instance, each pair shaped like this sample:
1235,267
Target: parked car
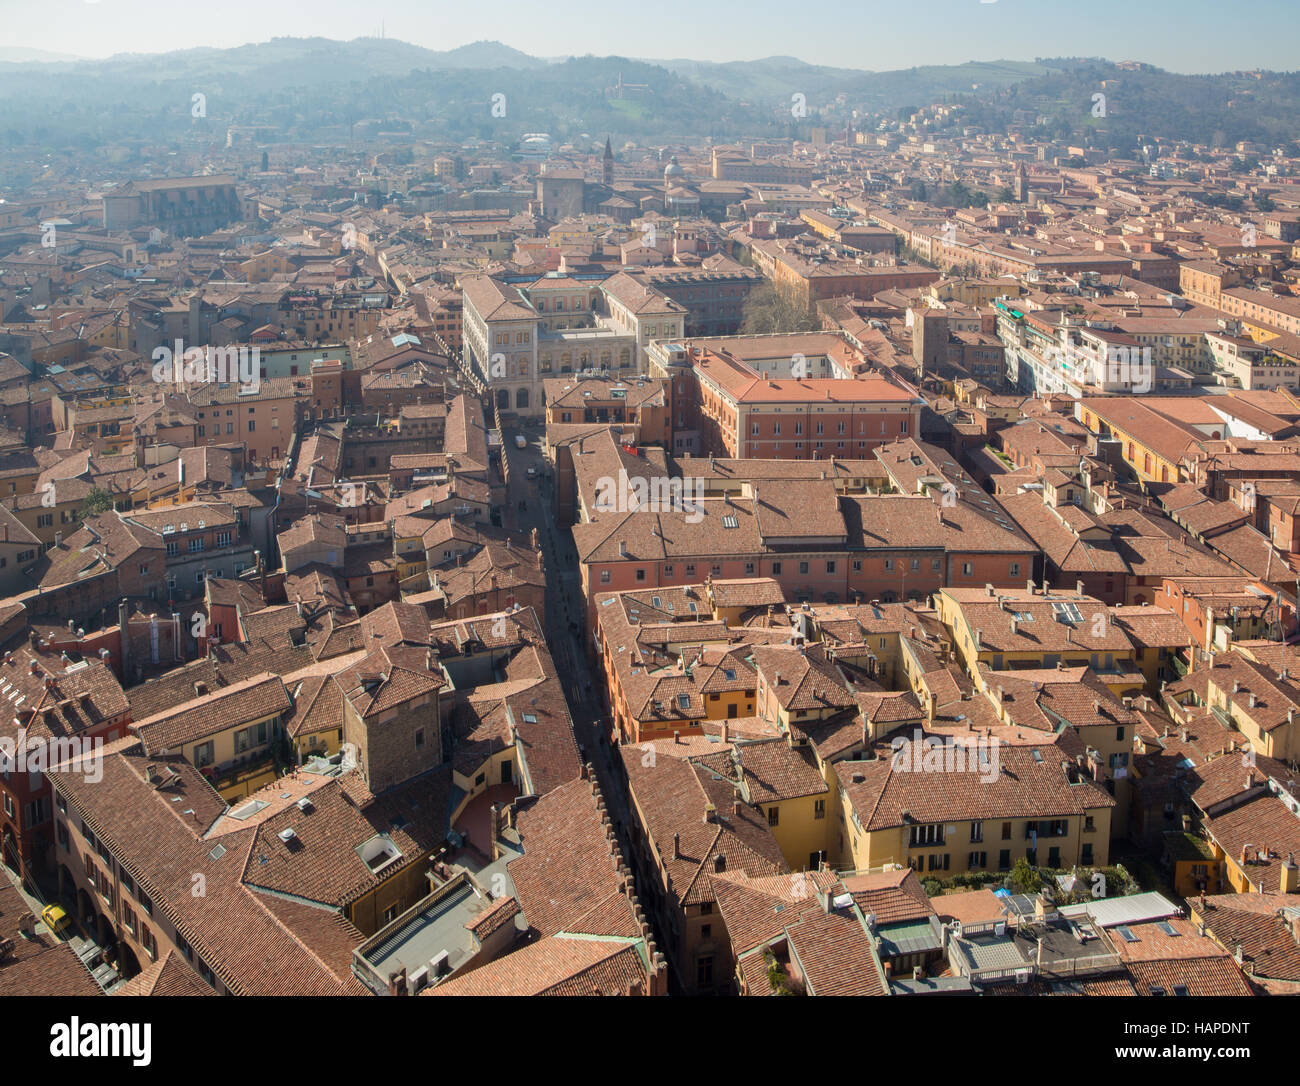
521,442
56,919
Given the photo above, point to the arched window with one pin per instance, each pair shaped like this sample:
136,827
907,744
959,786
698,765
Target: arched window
521,399
503,399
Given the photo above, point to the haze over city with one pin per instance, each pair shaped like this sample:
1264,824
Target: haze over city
693,500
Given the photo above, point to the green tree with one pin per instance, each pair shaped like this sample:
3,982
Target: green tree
97,501
777,978
1025,879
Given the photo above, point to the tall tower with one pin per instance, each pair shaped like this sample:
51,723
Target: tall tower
607,165
1022,184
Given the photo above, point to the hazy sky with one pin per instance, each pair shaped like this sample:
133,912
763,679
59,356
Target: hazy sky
1182,35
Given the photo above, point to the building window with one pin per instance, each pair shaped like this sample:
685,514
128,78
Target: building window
773,816
819,808
931,834
248,738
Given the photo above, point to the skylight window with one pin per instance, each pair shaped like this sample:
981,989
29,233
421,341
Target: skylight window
379,852
1067,612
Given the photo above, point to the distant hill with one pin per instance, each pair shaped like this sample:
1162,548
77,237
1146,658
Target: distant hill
488,54
775,79
17,54
320,89
1145,101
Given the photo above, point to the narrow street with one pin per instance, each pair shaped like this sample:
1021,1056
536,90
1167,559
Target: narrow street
565,611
